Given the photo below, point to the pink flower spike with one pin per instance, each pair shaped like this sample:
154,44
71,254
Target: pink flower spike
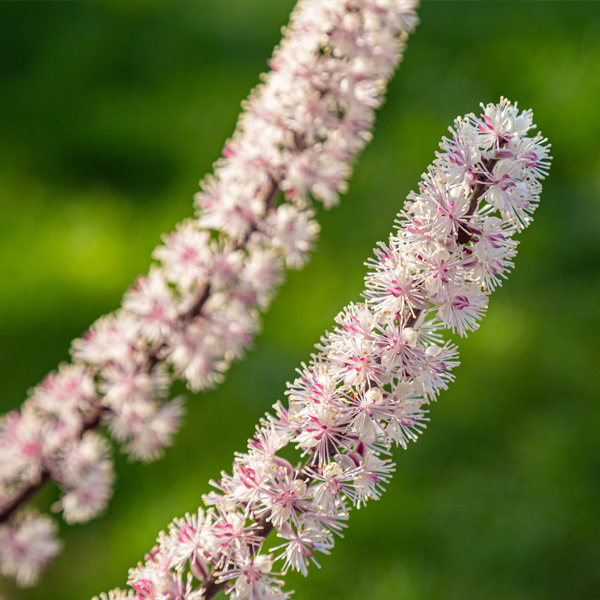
368,384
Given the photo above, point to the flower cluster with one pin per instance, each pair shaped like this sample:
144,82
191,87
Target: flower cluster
367,387
198,308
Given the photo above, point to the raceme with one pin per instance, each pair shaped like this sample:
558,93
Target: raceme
198,308
368,385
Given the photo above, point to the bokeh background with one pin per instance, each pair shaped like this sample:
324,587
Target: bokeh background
110,112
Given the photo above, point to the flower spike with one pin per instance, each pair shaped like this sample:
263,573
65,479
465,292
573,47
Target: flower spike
198,308
368,386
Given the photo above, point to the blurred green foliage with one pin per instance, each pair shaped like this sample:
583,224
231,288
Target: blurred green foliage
109,114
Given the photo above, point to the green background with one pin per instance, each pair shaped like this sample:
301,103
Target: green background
109,115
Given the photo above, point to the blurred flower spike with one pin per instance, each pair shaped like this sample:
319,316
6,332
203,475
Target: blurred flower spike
367,387
198,308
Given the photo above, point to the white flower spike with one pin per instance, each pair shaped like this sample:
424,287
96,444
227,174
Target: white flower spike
198,308
368,386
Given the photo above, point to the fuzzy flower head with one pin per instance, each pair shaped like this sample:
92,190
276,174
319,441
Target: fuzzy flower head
27,545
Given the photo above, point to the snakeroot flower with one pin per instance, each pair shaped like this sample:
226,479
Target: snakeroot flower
198,308
368,386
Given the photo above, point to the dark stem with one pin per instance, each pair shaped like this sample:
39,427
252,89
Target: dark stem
211,586
272,195
25,494
464,234
197,308
95,420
